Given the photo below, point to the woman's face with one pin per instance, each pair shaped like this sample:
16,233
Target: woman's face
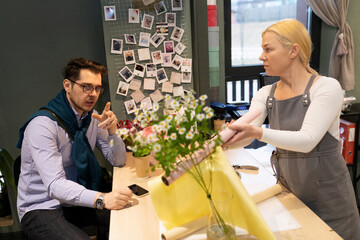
275,56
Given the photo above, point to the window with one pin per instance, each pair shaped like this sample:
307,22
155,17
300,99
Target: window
245,20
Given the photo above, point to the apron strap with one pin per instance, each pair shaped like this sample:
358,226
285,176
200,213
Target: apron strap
270,98
306,95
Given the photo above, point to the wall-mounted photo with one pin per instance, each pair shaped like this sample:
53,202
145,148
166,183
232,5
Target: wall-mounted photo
130,106
144,54
109,13
134,15
186,65
137,96
156,40
161,75
147,2
116,46
123,88
146,103
167,87
169,47
156,57
129,57
170,18
130,39
179,48
176,5
186,77
126,74
177,34
156,96
149,84
176,62
166,59
160,8
150,69
144,39
135,84
139,70
147,21
162,28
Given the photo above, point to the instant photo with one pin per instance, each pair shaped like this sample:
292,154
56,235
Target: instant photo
129,57
130,39
149,84
166,60
130,106
126,74
147,21
110,13
139,70
146,103
160,8
144,54
176,5
169,47
177,34
137,96
186,77
177,62
161,75
170,18
116,46
135,84
162,28
134,15
123,88
186,65
156,96
156,57
179,48
150,69
144,39
156,40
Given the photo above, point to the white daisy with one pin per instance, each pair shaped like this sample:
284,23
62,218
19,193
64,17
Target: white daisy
173,136
157,147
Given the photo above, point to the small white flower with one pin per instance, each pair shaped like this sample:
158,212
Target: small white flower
209,115
134,148
207,109
166,126
156,107
203,97
200,116
182,131
167,97
173,136
124,131
111,142
155,117
157,147
189,135
169,118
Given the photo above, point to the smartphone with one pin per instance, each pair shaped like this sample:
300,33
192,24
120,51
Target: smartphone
138,191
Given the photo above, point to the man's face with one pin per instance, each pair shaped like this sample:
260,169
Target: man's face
78,99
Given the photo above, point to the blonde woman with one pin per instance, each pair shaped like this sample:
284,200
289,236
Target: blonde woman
304,113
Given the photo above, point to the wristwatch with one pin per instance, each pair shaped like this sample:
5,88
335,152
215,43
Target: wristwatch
99,203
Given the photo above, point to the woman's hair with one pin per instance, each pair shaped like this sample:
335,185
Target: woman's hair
72,69
291,31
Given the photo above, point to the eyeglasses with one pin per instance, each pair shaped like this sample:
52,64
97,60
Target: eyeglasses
89,88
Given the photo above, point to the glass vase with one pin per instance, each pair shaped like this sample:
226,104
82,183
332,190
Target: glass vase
220,223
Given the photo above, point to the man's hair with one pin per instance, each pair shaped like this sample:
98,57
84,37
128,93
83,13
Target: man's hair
73,67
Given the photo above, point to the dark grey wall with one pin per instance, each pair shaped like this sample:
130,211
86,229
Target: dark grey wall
37,38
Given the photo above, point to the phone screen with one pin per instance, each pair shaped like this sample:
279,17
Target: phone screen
137,190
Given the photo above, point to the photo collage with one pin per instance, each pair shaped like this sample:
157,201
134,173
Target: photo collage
154,59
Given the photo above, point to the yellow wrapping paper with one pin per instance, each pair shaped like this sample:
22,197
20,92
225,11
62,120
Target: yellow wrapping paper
184,201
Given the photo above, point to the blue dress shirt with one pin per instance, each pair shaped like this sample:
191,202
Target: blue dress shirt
48,172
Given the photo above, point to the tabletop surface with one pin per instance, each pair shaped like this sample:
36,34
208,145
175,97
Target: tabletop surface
138,220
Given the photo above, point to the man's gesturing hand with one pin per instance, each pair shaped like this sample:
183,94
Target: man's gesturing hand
107,119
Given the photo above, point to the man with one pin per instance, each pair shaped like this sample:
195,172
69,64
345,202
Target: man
58,191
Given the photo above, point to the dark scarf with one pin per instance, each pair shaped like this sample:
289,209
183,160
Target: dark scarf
87,167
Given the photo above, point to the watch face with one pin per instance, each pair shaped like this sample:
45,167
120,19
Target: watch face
99,204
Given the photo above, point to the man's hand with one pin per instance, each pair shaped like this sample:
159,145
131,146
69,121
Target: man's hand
107,119
118,198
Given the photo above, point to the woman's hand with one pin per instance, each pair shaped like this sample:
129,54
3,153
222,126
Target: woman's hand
244,131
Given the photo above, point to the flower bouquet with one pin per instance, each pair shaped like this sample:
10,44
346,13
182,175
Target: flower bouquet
178,131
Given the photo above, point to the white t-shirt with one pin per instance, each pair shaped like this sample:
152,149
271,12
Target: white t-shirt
323,115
